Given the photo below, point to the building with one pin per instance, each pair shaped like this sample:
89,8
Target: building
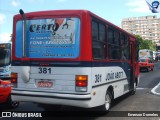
148,27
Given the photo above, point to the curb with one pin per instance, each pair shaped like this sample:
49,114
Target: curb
154,89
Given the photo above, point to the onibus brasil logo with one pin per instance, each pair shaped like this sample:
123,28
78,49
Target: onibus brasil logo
153,6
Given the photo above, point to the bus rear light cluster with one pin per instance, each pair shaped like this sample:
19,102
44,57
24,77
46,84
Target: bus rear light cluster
81,83
14,77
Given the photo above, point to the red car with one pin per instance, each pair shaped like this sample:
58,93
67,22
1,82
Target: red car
5,95
146,64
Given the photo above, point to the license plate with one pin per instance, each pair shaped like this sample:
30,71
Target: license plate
45,84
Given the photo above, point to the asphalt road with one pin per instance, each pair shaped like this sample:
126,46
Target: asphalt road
143,101
150,79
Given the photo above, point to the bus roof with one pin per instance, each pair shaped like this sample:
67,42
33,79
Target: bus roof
69,12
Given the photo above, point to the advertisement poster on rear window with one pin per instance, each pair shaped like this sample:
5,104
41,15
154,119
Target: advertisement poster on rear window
50,38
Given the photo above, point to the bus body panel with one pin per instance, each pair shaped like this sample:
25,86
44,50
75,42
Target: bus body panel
62,78
65,76
79,100
114,76
64,89
53,98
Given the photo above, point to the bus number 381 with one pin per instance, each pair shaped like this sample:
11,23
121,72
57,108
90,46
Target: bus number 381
98,78
44,70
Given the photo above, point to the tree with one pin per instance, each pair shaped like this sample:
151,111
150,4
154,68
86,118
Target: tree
146,44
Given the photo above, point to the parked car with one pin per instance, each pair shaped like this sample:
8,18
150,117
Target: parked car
146,64
5,95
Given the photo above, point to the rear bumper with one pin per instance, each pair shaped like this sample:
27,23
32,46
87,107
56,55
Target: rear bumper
52,98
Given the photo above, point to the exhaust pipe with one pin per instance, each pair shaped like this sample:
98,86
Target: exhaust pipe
24,33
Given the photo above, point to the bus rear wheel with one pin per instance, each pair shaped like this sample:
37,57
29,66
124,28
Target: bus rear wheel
134,89
108,100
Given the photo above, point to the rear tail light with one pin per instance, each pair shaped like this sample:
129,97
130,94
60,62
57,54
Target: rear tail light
14,77
81,83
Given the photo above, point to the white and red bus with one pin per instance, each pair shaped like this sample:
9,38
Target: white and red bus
146,53
72,57
5,61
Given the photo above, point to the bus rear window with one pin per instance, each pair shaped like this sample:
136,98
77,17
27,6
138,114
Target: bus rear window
49,38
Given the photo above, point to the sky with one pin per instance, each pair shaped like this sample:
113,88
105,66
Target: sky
111,10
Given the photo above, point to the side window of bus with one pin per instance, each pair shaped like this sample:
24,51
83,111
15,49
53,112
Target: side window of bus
113,43
94,31
98,40
125,47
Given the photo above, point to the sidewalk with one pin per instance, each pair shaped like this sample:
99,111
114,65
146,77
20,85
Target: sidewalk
156,90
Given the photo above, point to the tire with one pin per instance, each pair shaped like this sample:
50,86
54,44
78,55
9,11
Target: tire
107,105
147,69
134,89
12,104
152,68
